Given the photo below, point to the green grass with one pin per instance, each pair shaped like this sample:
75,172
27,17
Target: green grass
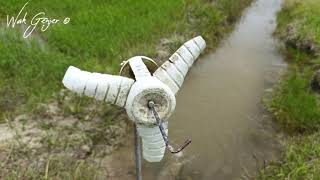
100,35
299,25
301,160
28,74
295,106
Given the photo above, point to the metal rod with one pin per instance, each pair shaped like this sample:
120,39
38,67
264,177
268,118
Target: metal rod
151,105
137,151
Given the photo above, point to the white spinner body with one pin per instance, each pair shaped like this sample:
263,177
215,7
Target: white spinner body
134,94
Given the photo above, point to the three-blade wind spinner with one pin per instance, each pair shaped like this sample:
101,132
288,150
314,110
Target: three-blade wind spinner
147,93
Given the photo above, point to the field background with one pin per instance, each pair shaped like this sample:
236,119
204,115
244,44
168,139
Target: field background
48,132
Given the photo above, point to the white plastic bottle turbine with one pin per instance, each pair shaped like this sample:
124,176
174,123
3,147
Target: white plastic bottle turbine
135,95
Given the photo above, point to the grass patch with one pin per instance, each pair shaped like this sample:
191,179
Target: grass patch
301,160
29,74
298,25
54,167
295,106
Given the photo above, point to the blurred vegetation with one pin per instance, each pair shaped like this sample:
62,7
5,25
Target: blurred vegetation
295,105
301,160
299,25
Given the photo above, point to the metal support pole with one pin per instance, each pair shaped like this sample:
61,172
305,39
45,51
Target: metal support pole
137,151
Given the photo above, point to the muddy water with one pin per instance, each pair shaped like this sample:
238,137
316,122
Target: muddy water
220,107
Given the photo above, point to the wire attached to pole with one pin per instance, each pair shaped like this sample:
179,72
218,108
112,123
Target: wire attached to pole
163,133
